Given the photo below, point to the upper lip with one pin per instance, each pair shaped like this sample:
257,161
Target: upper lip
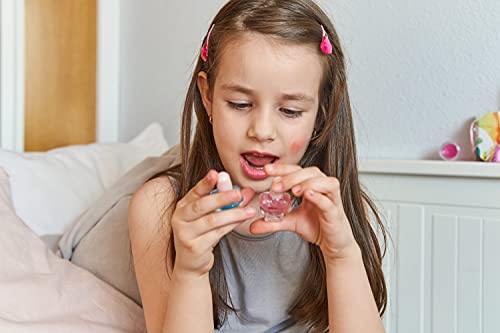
256,152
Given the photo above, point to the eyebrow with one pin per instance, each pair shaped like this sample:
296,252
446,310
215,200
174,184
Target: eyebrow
247,91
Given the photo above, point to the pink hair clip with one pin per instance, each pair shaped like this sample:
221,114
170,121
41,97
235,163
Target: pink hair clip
326,46
204,49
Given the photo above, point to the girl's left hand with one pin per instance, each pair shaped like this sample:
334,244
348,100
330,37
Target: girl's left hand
320,218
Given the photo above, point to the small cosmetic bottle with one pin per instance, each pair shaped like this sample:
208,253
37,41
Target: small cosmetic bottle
449,151
274,206
224,184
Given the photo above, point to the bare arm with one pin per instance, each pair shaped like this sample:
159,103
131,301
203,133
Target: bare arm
351,306
191,309
182,303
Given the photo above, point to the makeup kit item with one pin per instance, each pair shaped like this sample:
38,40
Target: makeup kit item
224,184
484,137
449,151
273,206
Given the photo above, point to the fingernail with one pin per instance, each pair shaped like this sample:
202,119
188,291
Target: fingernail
296,189
277,187
249,211
270,167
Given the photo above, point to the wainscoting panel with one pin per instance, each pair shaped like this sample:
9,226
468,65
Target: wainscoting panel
442,265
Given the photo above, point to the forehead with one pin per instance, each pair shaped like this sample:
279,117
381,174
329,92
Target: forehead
267,65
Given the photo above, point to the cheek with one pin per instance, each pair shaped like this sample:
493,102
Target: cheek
297,146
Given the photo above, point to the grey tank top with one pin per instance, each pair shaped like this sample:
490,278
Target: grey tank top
264,274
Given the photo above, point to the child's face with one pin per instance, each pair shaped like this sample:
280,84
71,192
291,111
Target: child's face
265,99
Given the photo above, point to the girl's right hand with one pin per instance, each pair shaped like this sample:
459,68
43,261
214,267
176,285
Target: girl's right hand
197,228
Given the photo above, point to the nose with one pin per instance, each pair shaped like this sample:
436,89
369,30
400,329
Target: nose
262,126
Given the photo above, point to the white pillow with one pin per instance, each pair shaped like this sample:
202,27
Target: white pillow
44,293
50,189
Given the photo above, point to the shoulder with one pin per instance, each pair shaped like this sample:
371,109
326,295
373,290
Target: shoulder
153,194
151,204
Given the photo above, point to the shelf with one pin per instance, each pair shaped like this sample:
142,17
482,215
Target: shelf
432,168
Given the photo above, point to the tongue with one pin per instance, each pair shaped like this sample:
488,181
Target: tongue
258,160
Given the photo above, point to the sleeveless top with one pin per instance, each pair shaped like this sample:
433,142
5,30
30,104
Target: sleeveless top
264,274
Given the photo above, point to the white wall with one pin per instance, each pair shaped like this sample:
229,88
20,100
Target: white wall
419,71
158,49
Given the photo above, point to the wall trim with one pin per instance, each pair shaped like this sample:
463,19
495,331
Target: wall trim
108,71
477,169
12,75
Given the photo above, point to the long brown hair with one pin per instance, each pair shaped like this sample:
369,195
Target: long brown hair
334,151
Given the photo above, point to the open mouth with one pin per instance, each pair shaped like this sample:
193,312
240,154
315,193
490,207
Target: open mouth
258,161
252,164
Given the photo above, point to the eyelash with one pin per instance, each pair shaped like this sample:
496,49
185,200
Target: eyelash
288,113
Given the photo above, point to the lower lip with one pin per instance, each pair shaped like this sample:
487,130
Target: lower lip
255,174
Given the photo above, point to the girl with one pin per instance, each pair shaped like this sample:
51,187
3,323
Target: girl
272,108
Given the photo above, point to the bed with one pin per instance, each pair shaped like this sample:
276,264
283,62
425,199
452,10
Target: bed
66,263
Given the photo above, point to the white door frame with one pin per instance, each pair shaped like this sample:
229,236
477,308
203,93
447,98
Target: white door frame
12,73
108,70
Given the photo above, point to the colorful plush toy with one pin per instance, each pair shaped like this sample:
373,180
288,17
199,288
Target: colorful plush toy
485,137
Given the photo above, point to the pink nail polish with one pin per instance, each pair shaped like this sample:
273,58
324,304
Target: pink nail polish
449,151
274,206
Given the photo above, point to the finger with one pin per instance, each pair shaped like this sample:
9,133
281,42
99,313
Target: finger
319,200
221,219
293,180
213,237
248,195
280,169
209,203
328,186
261,226
201,189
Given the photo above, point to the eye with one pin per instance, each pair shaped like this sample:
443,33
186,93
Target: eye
292,113
239,106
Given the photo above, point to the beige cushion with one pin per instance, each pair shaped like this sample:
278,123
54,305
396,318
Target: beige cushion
50,189
99,240
41,292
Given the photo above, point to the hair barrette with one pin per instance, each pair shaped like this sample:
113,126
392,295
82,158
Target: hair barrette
204,49
326,46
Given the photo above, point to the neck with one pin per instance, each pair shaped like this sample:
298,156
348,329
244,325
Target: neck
244,228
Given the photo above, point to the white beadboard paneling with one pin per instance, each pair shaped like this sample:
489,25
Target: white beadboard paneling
469,296
446,230
388,214
409,256
491,275
444,274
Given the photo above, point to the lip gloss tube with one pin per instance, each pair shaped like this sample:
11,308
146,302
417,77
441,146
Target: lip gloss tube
224,184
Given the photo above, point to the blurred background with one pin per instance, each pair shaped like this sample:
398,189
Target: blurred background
84,70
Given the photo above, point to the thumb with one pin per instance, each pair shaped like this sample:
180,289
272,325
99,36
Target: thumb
248,195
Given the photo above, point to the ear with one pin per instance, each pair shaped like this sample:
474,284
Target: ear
205,91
